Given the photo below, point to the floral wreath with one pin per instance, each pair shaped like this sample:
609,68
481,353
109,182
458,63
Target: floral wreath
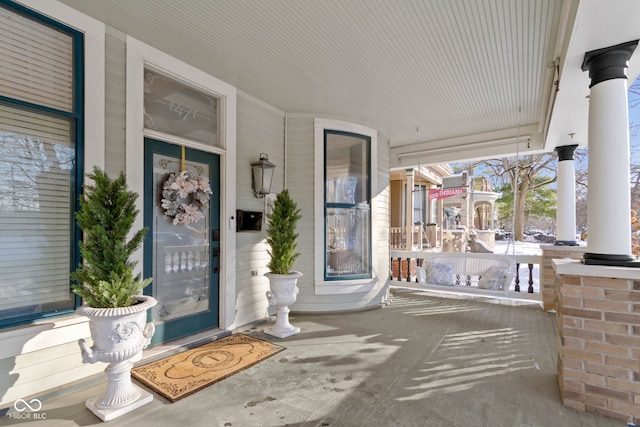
185,196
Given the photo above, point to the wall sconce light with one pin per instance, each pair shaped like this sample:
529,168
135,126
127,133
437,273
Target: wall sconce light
262,175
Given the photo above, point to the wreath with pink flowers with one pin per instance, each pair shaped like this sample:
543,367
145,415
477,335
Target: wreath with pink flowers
185,196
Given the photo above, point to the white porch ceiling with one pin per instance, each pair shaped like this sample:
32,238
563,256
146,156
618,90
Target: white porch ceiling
469,74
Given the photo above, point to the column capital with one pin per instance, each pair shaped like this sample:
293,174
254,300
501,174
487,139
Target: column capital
565,152
609,62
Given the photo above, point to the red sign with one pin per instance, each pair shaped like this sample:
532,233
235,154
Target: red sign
443,193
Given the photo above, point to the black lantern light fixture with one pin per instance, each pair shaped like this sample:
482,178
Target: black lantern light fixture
262,175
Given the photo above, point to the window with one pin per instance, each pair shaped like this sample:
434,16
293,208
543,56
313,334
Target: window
41,118
347,205
433,211
180,110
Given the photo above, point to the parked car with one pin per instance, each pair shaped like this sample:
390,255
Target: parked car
545,238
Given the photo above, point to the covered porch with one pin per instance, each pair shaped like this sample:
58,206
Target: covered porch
423,360
506,79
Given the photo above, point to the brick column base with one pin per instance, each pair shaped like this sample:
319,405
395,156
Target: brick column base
598,323
548,276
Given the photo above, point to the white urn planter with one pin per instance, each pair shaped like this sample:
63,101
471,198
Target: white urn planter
119,335
283,292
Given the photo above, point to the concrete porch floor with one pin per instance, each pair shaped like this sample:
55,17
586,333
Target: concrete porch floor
424,360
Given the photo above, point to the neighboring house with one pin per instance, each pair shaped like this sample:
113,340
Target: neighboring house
471,214
413,212
441,202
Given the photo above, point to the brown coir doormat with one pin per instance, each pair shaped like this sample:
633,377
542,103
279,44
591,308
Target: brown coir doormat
185,373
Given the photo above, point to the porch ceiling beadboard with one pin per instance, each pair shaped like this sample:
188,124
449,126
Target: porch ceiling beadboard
449,68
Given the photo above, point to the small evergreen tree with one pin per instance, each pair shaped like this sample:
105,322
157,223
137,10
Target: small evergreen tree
107,213
281,234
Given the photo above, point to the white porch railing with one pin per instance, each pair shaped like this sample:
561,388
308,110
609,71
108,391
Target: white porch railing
527,279
398,238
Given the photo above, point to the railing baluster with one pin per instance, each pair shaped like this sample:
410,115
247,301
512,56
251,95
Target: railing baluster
404,260
530,289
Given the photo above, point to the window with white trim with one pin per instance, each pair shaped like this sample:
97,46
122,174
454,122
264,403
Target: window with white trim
41,123
353,155
347,205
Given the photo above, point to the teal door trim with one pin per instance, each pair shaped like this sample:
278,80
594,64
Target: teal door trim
189,324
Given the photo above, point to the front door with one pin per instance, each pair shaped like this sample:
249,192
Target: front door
181,255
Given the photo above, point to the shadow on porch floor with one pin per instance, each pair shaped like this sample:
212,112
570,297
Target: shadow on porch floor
424,360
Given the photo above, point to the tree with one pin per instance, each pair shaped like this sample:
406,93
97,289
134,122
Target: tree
107,212
581,160
521,174
539,207
281,234
634,134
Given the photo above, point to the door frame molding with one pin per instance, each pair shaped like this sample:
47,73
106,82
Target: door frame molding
140,55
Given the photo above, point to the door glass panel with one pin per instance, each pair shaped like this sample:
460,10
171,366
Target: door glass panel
177,109
181,268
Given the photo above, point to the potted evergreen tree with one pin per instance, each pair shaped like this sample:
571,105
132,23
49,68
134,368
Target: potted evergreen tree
281,238
112,294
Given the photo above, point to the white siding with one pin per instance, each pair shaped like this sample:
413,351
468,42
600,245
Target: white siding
260,129
383,200
300,184
31,373
300,174
38,357
115,105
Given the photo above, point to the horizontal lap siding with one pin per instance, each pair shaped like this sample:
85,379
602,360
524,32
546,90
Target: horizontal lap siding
300,176
382,206
31,373
300,173
260,129
115,101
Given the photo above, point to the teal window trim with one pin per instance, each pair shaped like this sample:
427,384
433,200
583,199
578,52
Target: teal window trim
76,122
328,206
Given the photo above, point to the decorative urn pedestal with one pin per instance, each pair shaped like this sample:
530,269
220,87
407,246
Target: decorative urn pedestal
283,292
119,335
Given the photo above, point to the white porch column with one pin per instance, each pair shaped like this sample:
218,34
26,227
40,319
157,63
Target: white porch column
492,223
566,211
409,208
608,202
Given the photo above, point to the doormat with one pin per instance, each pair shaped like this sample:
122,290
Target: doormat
182,374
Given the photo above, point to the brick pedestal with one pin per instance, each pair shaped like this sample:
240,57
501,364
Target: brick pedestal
598,321
547,274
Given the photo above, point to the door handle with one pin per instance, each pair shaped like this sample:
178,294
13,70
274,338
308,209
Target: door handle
216,254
